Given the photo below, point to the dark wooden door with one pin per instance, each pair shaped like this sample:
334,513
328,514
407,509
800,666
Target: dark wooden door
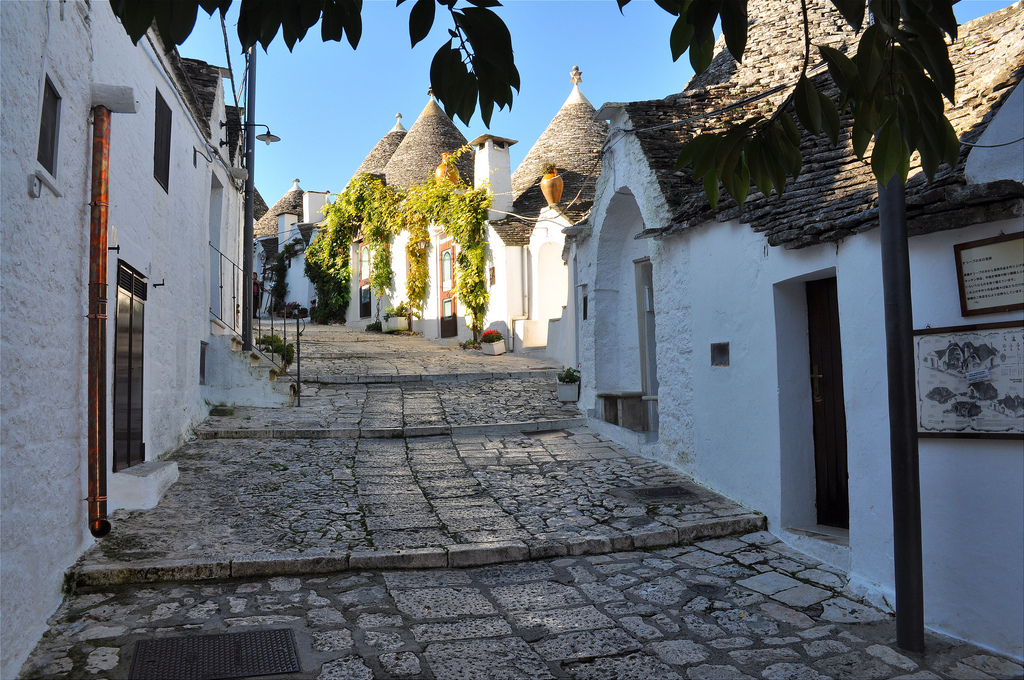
833,499
129,330
449,311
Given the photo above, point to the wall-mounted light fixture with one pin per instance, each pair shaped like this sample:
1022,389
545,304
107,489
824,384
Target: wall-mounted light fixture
268,136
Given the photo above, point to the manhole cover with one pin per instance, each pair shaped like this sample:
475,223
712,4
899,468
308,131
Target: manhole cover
652,493
216,657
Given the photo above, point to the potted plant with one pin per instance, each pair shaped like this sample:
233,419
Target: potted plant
492,342
396,318
551,185
569,385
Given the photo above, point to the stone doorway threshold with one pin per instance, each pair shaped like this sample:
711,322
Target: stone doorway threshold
833,535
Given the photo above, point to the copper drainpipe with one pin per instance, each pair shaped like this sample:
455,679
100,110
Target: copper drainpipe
99,526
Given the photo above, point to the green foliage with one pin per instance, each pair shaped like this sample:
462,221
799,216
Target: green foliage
275,345
374,327
893,87
474,65
382,213
279,270
403,309
569,375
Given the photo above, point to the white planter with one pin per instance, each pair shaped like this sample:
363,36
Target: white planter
568,391
493,348
397,323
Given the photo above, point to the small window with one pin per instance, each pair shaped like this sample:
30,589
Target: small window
202,361
364,262
719,354
49,127
585,307
446,270
162,142
494,276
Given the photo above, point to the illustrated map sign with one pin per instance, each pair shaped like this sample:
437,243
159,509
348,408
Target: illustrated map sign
991,274
970,381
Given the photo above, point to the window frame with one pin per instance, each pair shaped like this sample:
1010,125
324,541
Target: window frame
163,123
46,175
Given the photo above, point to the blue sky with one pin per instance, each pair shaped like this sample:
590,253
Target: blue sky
330,105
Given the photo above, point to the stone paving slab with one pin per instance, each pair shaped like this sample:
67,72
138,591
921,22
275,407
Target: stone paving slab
640,615
248,506
338,354
414,408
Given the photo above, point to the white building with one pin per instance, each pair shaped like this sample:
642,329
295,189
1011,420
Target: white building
294,220
168,311
528,279
700,332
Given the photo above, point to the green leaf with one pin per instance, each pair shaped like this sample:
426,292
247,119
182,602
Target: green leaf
734,26
673,7
421,19
701,52
136,17
870,57
682,34
711,189
695,146
790,129
888,151
842,69
622,3
756,166
852,11
808,106
829,117
736,177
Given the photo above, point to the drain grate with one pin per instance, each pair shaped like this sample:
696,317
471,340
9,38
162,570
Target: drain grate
216,657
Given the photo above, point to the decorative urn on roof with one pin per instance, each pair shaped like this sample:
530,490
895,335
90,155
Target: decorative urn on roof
446,172
551,185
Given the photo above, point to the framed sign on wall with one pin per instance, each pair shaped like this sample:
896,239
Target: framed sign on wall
991,274
970,381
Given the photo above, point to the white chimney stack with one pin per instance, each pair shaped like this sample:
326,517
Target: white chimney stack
494,165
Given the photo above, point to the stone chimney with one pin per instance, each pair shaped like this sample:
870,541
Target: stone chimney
493,165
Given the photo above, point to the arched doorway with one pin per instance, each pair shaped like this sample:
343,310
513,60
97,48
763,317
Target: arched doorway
624,313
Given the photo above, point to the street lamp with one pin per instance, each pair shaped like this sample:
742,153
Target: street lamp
268,136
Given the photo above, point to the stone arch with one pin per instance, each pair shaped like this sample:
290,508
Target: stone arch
616,336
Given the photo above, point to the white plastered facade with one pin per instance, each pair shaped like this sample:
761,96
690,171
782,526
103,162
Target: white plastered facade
165,235
744,429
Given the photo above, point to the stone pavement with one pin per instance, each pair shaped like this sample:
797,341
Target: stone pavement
460,522
738,608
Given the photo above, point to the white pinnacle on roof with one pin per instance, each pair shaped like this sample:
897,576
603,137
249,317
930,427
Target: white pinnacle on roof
398,124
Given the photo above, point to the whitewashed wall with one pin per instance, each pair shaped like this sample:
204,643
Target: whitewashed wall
43,331
721,283
45,280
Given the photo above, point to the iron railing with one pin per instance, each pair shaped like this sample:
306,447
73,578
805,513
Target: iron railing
266,322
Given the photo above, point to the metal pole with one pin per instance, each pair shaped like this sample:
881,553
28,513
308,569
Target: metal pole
906,478
298,364
250,186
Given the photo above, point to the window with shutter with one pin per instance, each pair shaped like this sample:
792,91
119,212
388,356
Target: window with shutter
162,142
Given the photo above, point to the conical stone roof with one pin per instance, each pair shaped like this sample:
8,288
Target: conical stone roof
419,154
289,204
572,143
378,158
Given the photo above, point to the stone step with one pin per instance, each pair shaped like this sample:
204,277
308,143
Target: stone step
411,431
439,557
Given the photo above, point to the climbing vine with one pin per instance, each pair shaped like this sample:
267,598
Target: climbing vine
329,268
279,270
382,212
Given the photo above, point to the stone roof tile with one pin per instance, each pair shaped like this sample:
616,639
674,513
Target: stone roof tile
835,195
419,153
289,204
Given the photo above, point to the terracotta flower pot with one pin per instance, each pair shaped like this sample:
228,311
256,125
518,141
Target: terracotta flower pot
551,186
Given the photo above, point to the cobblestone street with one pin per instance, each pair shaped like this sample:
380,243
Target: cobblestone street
429,512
